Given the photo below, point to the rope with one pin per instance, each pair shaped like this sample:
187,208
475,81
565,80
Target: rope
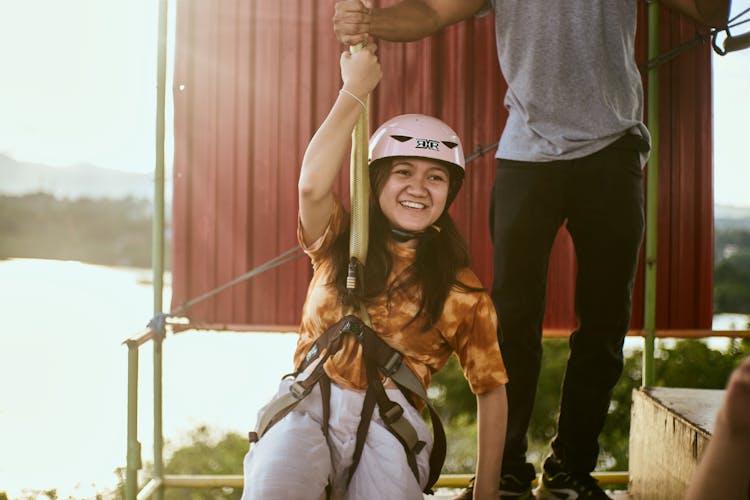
733,43
700,38
288,256
359,192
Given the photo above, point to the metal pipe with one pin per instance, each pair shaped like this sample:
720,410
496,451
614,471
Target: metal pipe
133,446
158,240
140,338
444,481
207,481
158,428
652,199
151,487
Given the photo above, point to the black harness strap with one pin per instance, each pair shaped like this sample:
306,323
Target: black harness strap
325,394
390,362
368,406
279,407
393,414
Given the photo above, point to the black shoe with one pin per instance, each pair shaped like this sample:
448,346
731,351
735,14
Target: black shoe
510,489
559,484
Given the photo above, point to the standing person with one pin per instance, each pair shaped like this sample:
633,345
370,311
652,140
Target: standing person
424,304
572,149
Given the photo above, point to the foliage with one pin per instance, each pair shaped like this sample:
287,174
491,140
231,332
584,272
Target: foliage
686,363
728,240
732,283
732,271
206,455
99,231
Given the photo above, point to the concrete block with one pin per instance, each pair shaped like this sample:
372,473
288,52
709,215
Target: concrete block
669,430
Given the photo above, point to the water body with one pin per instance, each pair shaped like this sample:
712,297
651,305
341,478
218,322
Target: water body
63,375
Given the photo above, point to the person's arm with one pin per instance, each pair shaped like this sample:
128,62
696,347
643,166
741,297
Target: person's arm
404,21
325,154
492,417
713,13
724,468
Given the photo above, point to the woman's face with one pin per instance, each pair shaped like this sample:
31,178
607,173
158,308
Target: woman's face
414,193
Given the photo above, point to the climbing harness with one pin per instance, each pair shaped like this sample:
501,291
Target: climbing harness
379,359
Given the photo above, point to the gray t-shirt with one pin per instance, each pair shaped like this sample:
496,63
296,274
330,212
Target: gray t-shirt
573,84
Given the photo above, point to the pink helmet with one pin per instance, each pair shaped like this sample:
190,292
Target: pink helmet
417,135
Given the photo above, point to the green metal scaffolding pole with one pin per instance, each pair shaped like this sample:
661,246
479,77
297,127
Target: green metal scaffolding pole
652,198
133,447
158,242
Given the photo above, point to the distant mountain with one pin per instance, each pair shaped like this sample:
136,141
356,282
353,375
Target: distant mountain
83,180
75,181
729,217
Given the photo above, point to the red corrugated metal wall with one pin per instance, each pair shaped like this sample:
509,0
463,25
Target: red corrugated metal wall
253,79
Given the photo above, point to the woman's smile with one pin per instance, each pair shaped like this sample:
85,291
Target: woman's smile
414,195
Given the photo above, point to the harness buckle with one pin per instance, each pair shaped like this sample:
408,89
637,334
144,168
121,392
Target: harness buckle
393,364
418,447
312,353
298,390
352,325
392,414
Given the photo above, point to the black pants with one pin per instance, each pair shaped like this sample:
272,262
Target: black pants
601,196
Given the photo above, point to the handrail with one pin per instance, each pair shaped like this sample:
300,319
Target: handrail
180,325
151,487
236,481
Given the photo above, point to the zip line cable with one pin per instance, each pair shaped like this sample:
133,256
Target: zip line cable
731,42
288,256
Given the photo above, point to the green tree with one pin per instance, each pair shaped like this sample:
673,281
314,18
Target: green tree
732,283
206,455
108,232
732,271
685,363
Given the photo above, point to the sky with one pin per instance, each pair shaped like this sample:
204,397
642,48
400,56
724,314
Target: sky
78,82
78,85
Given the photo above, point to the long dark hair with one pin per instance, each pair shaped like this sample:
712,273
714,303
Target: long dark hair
439,257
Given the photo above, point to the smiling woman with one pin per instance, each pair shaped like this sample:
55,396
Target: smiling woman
417,304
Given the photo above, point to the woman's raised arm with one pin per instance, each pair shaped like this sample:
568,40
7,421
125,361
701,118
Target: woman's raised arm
324,156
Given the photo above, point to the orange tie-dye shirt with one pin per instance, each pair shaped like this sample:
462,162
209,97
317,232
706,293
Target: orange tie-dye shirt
466,327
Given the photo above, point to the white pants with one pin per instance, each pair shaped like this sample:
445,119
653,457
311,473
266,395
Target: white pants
293,461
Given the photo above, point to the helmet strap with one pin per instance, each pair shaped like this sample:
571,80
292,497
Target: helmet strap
402,235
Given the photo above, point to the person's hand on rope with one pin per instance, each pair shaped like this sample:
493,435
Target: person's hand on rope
360,71
351,21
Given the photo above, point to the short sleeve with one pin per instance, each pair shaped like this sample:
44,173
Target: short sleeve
488,6
477,347
336,225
